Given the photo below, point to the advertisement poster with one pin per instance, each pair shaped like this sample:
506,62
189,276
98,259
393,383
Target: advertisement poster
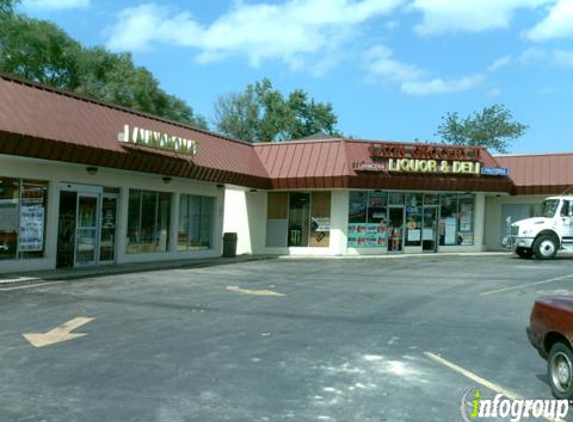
371,235
450,231
320,224
357,235
413,235
32,228
466,218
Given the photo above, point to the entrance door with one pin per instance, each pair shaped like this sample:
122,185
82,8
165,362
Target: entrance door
108,228
395,229
87,229
67,229
430,229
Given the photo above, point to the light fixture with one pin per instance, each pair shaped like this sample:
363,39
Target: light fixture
167,179
91,170
220,186
252,190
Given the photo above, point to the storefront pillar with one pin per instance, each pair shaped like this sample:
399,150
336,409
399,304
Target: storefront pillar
122,216
173,230
339,222
52,223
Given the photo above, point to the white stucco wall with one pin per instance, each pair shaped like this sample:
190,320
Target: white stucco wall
493,223
55,173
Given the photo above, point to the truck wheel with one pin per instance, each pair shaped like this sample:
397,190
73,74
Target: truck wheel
560,371
545,247
524,252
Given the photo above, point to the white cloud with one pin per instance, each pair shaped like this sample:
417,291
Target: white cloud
499,63
380,64
293,31
560,58
493,93
56,4
557,24
442,86
563,58
442,16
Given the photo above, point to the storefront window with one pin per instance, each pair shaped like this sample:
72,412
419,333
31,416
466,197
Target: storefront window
368,220
298,219
148,221
195,222
413,219
396,219
466,220
299,216
448,220
320,219
22,218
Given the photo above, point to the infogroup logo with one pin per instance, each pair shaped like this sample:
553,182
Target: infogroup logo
474,407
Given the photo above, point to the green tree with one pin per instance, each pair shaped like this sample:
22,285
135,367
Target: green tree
40,51
7,8
493,128
261,113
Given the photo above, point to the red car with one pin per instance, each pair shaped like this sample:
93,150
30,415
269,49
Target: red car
550,331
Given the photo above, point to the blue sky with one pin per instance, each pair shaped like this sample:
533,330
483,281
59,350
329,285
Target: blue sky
391,68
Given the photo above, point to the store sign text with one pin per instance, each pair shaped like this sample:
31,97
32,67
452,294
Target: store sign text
422,151
155,139
408,165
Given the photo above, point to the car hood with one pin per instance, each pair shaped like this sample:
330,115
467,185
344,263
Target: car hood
557,301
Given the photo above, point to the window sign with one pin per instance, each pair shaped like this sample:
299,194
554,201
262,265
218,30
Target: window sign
31,228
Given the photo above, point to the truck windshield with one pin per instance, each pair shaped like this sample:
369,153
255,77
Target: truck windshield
549,207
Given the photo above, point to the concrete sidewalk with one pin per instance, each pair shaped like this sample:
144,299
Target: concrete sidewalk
105,270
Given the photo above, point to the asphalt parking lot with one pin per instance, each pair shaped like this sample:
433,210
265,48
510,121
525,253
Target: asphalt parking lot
344,340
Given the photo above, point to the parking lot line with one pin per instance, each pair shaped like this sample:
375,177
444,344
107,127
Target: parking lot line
522,286
28,286
479,380
237,289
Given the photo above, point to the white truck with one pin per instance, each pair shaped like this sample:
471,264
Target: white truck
546,234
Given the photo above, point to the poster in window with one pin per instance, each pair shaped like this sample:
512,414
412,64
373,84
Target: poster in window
450,231
31,228
320,224
357,236
413,235
466,215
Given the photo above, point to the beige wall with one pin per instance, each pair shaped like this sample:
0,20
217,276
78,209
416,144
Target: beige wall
246,214
493,223
56,173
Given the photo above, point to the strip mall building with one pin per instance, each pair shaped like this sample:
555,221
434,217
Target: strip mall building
88,183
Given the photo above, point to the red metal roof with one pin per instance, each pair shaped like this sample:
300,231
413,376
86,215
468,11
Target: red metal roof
42,122
539,173
316,164
48,123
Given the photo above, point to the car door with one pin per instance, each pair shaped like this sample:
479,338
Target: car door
566,223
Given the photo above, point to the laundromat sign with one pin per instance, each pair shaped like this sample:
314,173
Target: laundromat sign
150,138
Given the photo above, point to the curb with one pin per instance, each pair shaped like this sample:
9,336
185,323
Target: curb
16,279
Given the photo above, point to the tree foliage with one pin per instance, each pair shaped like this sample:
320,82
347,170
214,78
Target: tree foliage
261,113
493,128
40,51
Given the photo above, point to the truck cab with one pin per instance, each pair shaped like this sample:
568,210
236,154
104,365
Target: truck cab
546,234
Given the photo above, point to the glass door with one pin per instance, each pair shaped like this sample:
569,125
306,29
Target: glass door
87,229
108,228
430,229
395,229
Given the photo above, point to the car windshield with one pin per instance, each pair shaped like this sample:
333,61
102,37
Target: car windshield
549,208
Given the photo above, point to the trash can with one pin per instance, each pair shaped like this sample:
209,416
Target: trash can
229,245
